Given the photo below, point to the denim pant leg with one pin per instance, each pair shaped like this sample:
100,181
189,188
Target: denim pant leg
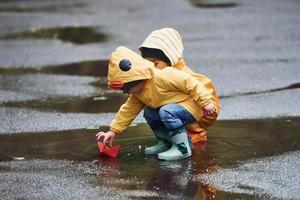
174,116
152,117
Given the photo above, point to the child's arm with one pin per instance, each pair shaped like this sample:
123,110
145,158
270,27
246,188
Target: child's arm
126,114
184,82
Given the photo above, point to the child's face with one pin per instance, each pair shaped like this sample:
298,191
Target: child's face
135,89
158,63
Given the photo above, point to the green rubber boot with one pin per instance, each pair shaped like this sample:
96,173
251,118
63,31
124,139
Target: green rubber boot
180,146
163,142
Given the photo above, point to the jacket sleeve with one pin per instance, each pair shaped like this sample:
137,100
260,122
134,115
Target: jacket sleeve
126,114
177,80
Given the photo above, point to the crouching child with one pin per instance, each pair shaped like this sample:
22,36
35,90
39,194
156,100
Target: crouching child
164,47
171,100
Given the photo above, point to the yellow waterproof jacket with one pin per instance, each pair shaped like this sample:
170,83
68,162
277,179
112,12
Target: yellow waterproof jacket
169,41
208,84
160,87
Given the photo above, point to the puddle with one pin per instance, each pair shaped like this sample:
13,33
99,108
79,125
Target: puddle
84,68
109,102
213,3
16,9
101,103
62,7
230,143
76,35
19,7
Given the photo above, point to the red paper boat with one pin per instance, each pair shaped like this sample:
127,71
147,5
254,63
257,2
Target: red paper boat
111,152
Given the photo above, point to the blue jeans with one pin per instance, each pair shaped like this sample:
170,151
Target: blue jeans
170,116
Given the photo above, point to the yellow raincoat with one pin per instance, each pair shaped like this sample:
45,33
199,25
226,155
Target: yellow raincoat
160,88
169,41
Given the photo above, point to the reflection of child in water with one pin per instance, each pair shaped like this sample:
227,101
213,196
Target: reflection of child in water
172,99
164,48
173,180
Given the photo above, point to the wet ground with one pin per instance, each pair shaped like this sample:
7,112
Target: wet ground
256,159
54,98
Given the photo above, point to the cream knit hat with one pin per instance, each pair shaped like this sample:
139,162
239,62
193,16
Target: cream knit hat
168,40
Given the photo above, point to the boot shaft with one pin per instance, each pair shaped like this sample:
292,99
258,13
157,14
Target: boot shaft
181,147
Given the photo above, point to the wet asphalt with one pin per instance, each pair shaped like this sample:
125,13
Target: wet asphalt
249,49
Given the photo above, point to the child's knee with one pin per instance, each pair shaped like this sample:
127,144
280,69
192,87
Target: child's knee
169,119
152,117
165,113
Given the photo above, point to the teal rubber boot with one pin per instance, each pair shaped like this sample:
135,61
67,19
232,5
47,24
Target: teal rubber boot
163,142
181,147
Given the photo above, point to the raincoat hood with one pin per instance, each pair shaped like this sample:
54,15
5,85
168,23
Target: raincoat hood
167,40
126,66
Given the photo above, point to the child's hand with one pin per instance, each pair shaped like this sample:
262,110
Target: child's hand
209,110
107,137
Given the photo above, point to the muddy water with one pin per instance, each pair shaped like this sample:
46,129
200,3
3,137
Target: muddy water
230,144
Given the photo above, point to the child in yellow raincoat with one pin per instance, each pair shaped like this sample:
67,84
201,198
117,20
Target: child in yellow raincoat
171,100
164,48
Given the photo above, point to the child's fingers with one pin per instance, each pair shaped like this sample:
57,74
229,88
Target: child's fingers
110,142
209,112
100,135
106,139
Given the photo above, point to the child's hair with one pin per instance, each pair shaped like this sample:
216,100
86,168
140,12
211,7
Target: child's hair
131,84
154,53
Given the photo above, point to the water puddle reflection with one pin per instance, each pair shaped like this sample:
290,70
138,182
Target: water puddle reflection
230,143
